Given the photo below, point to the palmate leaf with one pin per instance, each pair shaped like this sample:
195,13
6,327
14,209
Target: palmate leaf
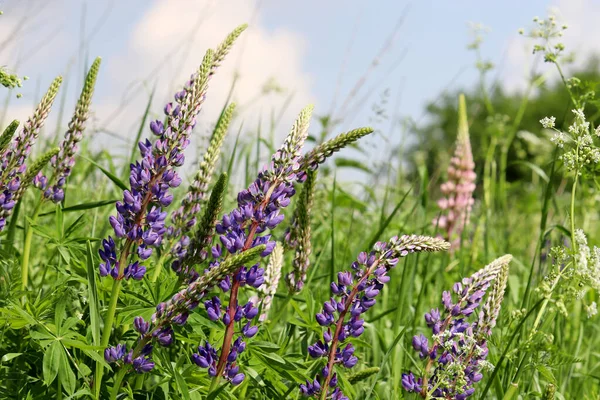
51,363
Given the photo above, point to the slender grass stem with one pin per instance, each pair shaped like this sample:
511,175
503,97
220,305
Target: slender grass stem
27,245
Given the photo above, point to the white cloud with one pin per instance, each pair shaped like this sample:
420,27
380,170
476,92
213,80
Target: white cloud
168,44
163,47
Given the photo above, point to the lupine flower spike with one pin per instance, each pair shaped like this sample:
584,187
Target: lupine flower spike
13,157
258,212
458,190
184,218
140,220
352,295
243,235
457,352
7,136
63,162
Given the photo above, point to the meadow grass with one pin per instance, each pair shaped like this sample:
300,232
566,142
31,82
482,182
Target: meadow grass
58,314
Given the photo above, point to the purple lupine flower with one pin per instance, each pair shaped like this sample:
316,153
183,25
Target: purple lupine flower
184,218
353,294
114,354
12,158
256,214
458,190
64,161
456,356
140,218
247,226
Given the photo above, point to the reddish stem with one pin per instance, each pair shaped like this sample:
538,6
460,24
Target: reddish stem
233,303
338,326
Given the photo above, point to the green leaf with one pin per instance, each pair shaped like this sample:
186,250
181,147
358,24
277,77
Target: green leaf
536,169
546,373
59,313
108,174
93,295
51,362
10,356
66,375
83,206
266,347
183,388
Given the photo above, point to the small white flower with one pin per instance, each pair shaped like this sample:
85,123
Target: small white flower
548,122
559,139
591,310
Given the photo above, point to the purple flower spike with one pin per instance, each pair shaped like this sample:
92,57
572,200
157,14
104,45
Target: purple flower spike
353,294
459,346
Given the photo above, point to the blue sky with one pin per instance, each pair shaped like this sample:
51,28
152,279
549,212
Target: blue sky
314,49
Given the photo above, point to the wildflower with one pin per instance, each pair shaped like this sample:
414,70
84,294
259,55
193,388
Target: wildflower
548,122
591,309
258,212
587,263
184,218
63,162
140,218
456,355
352,295
458,190
244,236
13,157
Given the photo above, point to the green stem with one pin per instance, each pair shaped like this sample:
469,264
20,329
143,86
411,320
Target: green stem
488,179
540,314
117,385
573,244
110,313
59,394
27,246
160,262
213,384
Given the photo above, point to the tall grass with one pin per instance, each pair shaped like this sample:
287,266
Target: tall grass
57,320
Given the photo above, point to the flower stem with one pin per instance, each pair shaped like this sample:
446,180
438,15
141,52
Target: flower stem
228,332
573,243
27,246
110,313
338,329
117,384
159,263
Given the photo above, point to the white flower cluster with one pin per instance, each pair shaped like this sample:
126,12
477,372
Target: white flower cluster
581,151
592,309
587,261
548,122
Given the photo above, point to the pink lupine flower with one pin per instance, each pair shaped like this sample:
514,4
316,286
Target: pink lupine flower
458,191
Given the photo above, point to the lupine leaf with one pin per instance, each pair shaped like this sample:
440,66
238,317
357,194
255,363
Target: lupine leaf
52,360
120,184
93,303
